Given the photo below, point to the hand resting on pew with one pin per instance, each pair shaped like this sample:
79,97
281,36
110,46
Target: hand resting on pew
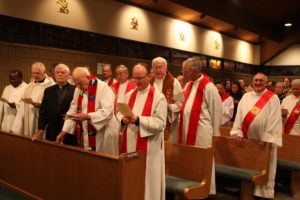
239,142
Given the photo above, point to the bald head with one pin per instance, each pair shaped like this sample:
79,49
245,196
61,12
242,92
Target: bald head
106,72
140,75
81,77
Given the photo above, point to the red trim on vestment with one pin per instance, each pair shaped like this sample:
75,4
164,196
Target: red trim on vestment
142,142
292,118
195,112
224,96
254,111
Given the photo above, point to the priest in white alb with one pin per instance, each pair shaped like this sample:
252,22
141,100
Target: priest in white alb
26,121
164,82
12,93
227,103
107,76
90,116
292,104
123,85
201,109
259,117
144,130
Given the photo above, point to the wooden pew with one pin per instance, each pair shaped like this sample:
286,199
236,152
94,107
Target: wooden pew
225,131
188,170
242,163
44,170
289,159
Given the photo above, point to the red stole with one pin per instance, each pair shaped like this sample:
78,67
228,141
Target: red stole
292,118
224,96
254,111
110,81
195,112
142,143
91,108
130,85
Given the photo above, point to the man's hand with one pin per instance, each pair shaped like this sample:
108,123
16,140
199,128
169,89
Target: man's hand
262,145
60,138
239,141
129,119
36,104
37,135
81,117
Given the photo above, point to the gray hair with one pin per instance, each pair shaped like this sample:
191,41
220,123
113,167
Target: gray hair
122,67
279,84
196,63
296,82
40,66
160,60
63,67
260,73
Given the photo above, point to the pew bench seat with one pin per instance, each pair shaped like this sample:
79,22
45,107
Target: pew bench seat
241,163
236,173
188,171
288,165
179,185
289,159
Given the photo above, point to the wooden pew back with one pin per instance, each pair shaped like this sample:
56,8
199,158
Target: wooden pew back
188,162
248,156
290,148
225,131
44,170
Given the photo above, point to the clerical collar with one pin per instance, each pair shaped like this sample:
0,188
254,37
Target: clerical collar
40,81
62,86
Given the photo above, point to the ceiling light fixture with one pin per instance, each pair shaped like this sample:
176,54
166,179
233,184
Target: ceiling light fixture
288,24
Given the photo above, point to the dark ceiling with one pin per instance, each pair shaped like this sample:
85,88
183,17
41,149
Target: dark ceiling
255,21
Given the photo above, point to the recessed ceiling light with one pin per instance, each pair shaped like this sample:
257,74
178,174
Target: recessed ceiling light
288,24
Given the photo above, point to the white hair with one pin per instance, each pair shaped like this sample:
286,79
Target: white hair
81,71
260,73
279,84
196,63
159,60
122,67
296,82
63,67
39,65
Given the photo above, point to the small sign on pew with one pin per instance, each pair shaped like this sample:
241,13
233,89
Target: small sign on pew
132,155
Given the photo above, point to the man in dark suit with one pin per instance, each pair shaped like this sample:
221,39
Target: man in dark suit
55,104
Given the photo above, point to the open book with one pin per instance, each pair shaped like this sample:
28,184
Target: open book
68,117
27,100
124,109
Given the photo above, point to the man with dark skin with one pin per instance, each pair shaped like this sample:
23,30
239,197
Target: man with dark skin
12,93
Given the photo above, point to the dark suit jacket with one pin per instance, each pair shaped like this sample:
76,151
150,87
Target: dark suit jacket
51,113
